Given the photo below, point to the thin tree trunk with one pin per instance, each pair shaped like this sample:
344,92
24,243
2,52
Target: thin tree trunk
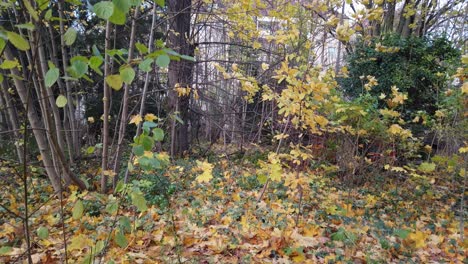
146,84
12,116
71,110
105,99
123,116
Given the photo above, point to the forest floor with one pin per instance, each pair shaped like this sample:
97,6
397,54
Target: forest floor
327,220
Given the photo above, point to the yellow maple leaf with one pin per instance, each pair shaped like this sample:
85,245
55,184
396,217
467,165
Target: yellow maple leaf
265,66
418,238
136,119
256,45
150,117
207,169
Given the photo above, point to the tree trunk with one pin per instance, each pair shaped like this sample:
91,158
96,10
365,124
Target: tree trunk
123,116
180,72
105,99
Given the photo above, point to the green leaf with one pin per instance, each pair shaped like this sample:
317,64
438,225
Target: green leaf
427,167
146,65
127,74
120,240
48,15
125,224
339,235
78,210
147,142
18,41
139,201
138,150
51,76
28,26
141,48
96,51
148,164
9,64
189,58
78,68
61,101
161,3
135,2
401,233
95,62
114,81
5,250
70,36
158,134
104,9
163,60
31,10
90,150
43,232
118,17
122,5
2,44
99,247
112,207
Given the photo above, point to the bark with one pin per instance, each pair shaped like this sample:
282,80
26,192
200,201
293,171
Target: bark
36,126
180,72
123,116
105,99
145,85
12,116
71,110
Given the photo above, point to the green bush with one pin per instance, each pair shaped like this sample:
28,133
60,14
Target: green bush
420,67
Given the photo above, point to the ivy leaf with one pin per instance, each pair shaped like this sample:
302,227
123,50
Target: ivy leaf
163,60
61,101
139,201
127,74
114,81
18,41
120,240
51,77
104,9
78,210
43,232
70,36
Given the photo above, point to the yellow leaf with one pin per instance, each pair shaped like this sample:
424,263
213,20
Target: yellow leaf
207,169
136,119
91,119
79,242
418,238
150,117
256,45
265,66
